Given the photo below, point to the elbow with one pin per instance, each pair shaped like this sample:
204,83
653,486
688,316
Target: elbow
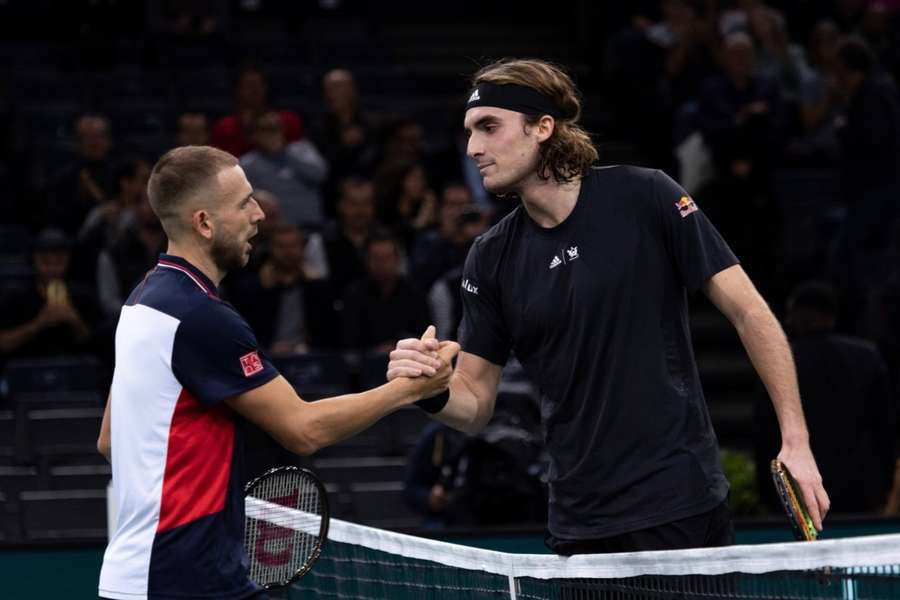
303,445
104,448
479,421
306,439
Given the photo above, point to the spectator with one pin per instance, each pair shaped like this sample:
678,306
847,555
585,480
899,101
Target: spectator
232,133
869,136
345,242
86,181
405,201
435,477
294,171
652,68
345,132
818,100
444,296
848,403
50,315
443,248
290,312
192,129
107,222
740,114
384,306
123,264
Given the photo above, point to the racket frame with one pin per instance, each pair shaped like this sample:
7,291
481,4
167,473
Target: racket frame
323,527
789,494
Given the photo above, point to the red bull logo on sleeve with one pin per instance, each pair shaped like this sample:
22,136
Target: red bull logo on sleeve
685,206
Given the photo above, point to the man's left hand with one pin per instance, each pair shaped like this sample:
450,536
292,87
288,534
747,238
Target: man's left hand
802,465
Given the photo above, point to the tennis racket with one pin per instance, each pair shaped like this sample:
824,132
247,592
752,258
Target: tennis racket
792,500
285,525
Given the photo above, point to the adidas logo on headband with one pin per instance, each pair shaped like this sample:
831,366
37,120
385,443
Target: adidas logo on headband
519,98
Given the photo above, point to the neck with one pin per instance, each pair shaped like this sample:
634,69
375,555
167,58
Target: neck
199,258
547,202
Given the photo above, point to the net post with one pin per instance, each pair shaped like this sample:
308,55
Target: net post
512,586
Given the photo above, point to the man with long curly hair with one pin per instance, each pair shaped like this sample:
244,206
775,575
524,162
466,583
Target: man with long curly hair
587,283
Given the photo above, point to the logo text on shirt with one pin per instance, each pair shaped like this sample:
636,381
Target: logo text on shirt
467,285
686,206
251,364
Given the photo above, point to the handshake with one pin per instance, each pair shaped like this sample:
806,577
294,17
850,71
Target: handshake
425,362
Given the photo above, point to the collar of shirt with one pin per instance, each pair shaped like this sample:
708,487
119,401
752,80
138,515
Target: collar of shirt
177,263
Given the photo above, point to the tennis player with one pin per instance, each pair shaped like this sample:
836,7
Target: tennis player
587,281
187,368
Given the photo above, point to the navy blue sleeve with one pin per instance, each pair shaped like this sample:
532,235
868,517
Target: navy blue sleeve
216,356
482,331
696,248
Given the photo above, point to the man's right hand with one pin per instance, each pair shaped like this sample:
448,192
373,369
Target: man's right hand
438,379
414,357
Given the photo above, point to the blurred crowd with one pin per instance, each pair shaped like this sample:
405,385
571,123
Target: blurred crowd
361,246
368,222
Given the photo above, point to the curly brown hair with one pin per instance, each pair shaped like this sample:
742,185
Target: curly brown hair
568,153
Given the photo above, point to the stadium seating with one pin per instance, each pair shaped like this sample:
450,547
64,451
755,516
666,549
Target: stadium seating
63,514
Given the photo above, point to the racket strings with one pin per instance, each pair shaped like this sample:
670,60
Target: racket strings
283,522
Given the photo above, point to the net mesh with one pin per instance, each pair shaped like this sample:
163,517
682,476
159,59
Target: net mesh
368,564
282,526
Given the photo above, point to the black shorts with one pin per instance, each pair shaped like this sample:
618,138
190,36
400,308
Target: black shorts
706,530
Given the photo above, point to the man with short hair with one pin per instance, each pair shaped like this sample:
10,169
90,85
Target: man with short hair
86,181
586,281
345,242
291,311
187,368
293,171
384,306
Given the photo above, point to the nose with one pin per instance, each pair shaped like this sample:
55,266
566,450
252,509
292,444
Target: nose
474,148
259,214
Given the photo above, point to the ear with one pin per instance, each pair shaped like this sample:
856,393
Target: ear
544,128
200,222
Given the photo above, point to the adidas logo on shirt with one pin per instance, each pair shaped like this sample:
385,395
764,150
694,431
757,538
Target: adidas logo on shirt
555,262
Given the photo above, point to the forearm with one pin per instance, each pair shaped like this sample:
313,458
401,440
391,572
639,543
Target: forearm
330,420
13,339
771,356
465,411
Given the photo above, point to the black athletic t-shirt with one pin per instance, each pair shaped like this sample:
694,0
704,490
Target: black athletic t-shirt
596,310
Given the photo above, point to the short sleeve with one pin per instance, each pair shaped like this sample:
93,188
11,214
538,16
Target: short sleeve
216,356
482,330
696,248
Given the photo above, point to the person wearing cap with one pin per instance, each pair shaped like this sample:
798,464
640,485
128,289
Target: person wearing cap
47,315
587,282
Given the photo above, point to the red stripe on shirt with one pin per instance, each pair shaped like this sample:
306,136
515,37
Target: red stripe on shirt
198,463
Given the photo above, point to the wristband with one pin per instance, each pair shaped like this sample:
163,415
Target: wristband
435,404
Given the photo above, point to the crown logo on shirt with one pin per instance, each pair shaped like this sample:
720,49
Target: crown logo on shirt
572,252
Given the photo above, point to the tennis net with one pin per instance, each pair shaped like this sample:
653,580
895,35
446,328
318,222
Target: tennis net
367,564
